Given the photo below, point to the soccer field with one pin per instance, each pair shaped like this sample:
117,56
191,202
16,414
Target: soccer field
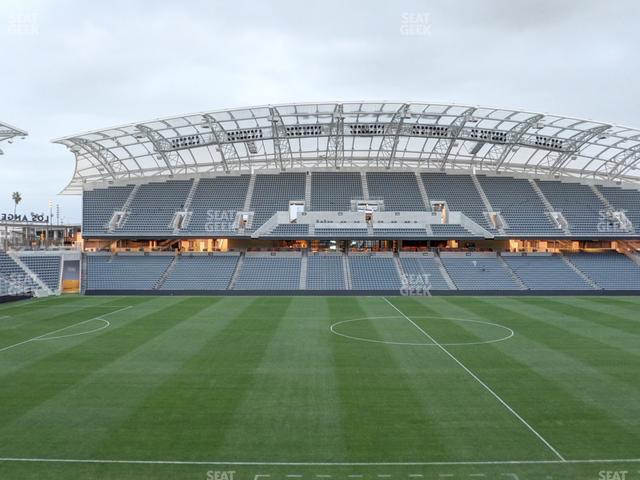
320,387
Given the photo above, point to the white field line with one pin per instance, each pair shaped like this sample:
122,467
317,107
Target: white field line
106,324
335,331
320,464
39,337
77,305
484,385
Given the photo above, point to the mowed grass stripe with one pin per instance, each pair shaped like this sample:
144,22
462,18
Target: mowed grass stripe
383,418
583,345
189,413
575,425
606,331
291,412
73,360
490,428
167,396
74,421
34,342
23,325
610,317
628,302
596,387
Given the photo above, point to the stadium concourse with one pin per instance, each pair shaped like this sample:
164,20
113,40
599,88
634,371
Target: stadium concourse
344,198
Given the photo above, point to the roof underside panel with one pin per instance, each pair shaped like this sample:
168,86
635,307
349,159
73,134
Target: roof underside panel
336,135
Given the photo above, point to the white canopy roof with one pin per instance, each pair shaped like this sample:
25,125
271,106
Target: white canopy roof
7,132
358,134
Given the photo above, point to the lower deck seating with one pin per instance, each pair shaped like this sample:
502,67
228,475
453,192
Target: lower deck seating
400,232
341,232
610,271
546,273
46,267
290,230
423,272
374,273
125,272
325,272
450,230
13,276
269,273
201,272
367,272
479,273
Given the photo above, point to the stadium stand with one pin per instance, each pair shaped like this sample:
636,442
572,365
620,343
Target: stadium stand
519,206
290,230
579,205
269,272
545,272
450,231
334,196
626,200
399,190
341,232
14,275
610,271
98,206
399,232
215,204
200,272
325,272
478,272
154,206
421,270
272,193
371,272
459,192
47,268
332,191
125,272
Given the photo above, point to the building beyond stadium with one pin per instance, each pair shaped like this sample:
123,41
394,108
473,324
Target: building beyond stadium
360,198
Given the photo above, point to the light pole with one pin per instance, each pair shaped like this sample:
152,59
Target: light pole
48,242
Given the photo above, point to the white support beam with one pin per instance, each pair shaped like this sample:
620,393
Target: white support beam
227,149
282,147
442,148
335,142
500,152
389,144
557,160
620,164
163,148
107,160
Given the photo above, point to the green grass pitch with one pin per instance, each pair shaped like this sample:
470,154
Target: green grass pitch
320,388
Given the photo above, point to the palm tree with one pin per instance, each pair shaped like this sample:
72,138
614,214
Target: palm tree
17,198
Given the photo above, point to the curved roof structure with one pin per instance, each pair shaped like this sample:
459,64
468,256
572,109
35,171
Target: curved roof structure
358,134
7,132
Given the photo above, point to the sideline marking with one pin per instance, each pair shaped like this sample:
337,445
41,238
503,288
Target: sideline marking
476,378
39,337
425,344
320,464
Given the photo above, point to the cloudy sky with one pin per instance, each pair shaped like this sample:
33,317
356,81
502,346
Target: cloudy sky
72,66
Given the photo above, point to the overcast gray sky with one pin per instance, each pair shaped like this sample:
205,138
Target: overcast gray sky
71,66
